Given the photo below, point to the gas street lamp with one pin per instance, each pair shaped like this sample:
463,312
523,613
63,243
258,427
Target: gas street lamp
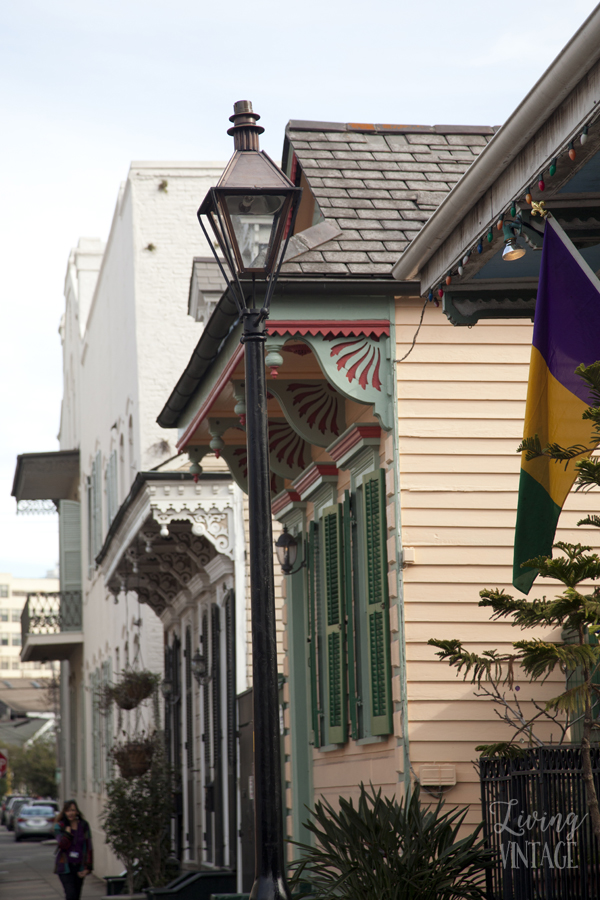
251,212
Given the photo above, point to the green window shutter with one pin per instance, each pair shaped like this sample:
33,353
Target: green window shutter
312,575
350,625
69,540
335,631
378,623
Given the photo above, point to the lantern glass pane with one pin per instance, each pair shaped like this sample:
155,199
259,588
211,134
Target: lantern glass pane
255,219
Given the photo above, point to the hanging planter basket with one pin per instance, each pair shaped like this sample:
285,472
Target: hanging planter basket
134,757
134,688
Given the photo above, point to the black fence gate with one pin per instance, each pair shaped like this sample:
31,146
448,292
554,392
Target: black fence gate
536,820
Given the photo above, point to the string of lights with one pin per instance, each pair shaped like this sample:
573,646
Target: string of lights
509,221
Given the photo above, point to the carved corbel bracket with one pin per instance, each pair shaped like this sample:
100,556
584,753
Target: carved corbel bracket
359,368
314,409
236,458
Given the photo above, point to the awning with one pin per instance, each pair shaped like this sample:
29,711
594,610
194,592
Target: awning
47,476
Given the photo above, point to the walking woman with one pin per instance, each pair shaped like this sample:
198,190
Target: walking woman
74,855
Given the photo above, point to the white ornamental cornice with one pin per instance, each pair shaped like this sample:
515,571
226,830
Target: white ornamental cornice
208,506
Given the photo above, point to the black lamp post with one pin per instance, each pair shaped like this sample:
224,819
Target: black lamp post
251,212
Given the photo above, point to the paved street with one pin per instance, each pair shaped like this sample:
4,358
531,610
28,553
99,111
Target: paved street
26,872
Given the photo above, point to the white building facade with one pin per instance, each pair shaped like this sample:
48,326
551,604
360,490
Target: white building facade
152,561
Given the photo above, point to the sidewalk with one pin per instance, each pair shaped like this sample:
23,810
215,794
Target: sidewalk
26,872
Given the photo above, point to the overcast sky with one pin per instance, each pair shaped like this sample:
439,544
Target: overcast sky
87,86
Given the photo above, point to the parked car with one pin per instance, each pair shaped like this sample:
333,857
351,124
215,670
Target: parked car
52,803
12,810
5,801
34,821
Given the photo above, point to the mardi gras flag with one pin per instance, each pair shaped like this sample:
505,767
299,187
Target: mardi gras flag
566,333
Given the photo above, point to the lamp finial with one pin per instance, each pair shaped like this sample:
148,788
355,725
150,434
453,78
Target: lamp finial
245,131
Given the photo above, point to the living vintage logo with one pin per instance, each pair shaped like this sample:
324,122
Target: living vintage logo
534,840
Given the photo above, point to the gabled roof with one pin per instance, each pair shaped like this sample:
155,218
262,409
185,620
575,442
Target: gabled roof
378,184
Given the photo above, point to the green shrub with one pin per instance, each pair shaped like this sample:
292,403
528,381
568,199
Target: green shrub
385,850
137,823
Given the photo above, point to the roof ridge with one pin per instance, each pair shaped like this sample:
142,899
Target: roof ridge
367,128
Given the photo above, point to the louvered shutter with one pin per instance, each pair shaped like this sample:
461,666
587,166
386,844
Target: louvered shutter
111,488
312,575
350,627
335,632
69,543
108,723
69,536
377,603
97,500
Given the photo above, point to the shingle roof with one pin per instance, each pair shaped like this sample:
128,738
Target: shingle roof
379,184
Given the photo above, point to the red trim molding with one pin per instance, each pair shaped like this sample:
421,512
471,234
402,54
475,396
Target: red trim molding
354,436
284,500
313,476
213,395
330,327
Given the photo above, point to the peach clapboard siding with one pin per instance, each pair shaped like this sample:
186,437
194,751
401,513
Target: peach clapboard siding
461,401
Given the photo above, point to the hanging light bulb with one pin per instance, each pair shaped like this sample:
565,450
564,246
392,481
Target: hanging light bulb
541,183
572,153
490,236
460,270
528,197
440,292
466,257
448,278
552,168
513,210
480,246
430,296
584,135
499,224
511,250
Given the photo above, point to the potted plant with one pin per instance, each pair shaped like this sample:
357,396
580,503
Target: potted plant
137,821
134,756
134,687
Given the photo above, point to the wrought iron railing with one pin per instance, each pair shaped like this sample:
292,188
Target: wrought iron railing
51,613
537,823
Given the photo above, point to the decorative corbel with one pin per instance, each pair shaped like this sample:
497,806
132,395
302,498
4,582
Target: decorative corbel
314,409
359,368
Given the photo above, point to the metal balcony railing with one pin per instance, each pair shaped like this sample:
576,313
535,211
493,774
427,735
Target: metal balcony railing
51,613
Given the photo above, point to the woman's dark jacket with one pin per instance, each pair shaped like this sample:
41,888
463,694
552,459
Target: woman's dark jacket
64,863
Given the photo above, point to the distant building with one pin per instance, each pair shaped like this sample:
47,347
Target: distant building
13,596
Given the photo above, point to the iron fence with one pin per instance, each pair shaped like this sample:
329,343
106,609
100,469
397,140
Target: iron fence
537,823
51,613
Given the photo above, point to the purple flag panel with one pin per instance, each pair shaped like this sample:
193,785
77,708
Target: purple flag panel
567,316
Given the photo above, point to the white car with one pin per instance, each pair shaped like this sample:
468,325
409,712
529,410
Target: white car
34,821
